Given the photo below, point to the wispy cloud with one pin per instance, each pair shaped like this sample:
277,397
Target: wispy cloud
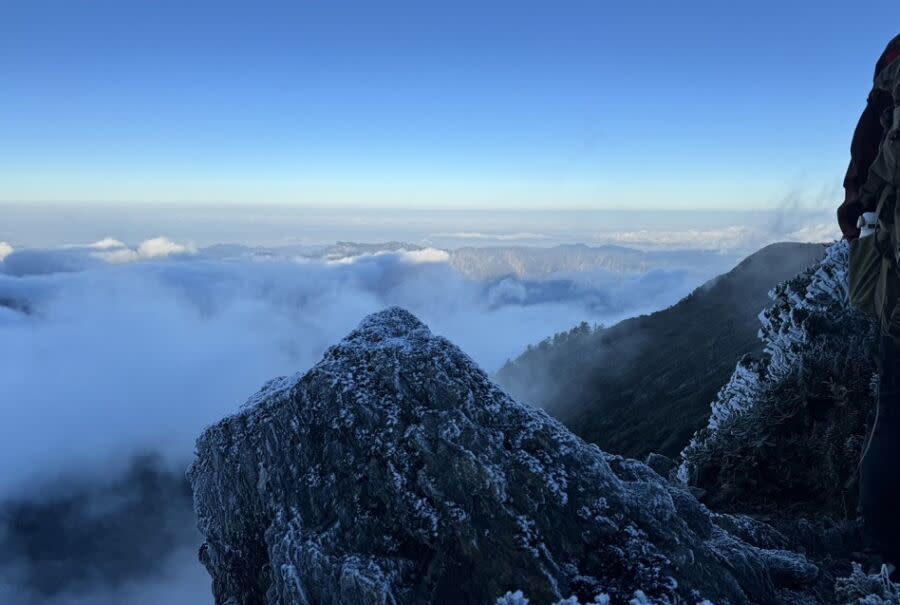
819,232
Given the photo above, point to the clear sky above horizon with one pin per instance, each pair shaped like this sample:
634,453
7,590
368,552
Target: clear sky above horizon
465,104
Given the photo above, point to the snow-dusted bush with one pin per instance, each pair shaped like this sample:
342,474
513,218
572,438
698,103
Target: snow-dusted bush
860,588
788,429
638,598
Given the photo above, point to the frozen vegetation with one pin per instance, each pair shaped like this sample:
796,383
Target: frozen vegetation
797,414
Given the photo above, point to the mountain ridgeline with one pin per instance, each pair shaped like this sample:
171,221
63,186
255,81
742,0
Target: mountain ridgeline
644,385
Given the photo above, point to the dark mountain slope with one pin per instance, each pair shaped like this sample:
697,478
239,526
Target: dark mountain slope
645,384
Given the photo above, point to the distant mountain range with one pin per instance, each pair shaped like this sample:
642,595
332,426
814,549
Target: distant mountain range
645,384
534,263
576,261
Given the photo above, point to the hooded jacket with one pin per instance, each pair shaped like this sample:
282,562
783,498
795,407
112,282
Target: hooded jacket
864,147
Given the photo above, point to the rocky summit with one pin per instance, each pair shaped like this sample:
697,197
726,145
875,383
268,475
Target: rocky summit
395,471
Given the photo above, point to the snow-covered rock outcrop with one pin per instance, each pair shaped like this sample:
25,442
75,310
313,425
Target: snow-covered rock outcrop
395,471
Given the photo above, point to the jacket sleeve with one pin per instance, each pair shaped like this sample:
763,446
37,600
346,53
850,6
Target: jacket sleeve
863,150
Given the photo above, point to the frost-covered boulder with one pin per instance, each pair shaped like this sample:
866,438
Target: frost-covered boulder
786,432
395,471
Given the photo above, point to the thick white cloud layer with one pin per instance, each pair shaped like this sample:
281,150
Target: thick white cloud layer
115,358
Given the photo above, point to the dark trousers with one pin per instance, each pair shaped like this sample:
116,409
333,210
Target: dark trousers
879,475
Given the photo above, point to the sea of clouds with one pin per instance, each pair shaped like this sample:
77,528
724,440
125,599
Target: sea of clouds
110,349
109,352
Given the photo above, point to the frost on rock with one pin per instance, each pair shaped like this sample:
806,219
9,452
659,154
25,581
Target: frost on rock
517,598
872,589
395,471
513,598
791,424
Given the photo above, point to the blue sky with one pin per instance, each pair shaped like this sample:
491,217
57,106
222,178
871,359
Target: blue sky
454,105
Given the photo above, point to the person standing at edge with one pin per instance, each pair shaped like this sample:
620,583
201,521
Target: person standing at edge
868,221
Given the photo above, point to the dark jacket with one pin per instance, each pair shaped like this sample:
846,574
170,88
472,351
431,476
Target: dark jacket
864,148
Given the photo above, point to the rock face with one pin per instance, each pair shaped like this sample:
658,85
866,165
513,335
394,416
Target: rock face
395,471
